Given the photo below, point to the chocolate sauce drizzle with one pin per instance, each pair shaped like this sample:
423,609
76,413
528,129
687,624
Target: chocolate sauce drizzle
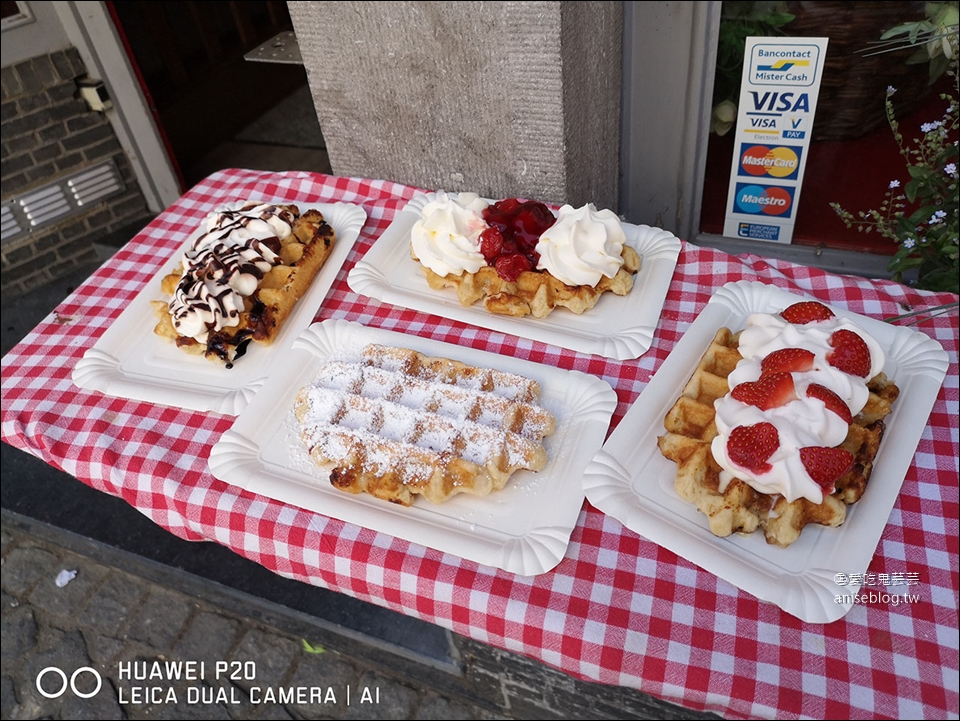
225,264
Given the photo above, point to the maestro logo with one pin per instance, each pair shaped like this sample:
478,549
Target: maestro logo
769,200
61,683
782,161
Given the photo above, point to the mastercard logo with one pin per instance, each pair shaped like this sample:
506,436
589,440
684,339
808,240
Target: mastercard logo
764,200
777,162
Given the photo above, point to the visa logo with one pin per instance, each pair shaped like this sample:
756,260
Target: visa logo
783,102
763,123
794,134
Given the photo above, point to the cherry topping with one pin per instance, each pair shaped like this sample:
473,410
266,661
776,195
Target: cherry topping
510,265
519,225
491,244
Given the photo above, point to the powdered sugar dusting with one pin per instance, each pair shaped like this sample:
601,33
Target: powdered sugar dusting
413,420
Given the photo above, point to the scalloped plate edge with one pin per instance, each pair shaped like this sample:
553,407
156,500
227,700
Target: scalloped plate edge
586,402
748,563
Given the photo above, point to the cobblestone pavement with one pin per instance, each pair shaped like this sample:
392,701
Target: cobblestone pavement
123,630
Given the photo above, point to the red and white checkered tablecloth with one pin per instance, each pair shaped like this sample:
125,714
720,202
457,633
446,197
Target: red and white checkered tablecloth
618,609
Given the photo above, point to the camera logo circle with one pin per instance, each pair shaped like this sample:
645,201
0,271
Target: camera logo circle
72,682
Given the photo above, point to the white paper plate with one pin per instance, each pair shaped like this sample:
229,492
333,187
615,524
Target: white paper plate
620,328
630,480
130,361
524,528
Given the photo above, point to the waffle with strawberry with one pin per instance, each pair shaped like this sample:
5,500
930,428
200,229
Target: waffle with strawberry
755,472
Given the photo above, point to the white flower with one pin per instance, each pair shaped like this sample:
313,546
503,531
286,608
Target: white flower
894,183
938,217
909,242
950,169
891,90
927,127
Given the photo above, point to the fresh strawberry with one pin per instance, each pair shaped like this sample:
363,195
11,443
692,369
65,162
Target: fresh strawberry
850,353
787,360
751,446
831,400
805,312
826,465
770,391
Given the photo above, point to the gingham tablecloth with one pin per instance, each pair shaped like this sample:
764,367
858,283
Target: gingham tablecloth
618,609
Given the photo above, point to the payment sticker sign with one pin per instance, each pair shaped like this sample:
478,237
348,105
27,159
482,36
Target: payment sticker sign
778,100
764,201
765,161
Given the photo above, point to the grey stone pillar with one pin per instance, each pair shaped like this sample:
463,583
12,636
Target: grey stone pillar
500,98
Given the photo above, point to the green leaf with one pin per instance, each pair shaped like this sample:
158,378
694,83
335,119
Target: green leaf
938,66
911,263
310,648
898,30
911,188
920,216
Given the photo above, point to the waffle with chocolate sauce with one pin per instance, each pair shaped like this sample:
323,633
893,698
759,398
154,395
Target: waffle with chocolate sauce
397,424
206,284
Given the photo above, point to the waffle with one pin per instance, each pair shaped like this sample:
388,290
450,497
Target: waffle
300,255
397,424
739,508
534,293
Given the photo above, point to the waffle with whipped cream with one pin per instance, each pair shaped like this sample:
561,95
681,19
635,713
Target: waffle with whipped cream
239,280
735,505
518,258
397,424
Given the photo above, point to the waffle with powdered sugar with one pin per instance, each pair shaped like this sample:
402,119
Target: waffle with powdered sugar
397,424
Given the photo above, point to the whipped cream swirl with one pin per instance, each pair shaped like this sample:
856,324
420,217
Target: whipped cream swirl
446,239
582,246
225,264
800,423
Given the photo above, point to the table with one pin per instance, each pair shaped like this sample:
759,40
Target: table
618,609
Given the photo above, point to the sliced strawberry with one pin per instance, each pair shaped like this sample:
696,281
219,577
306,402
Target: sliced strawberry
787,360
850,353
805,312
826,465
831,400
770,391
751,446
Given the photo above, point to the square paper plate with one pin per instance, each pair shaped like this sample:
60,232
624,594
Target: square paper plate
130,361
523,528
620,328
631,481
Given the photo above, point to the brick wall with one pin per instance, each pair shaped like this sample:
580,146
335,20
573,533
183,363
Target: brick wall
47,133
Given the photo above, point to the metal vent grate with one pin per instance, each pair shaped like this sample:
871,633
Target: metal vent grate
65,197
8,223
45,205
95,184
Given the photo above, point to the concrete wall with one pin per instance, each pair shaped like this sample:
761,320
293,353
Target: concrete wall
500,98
